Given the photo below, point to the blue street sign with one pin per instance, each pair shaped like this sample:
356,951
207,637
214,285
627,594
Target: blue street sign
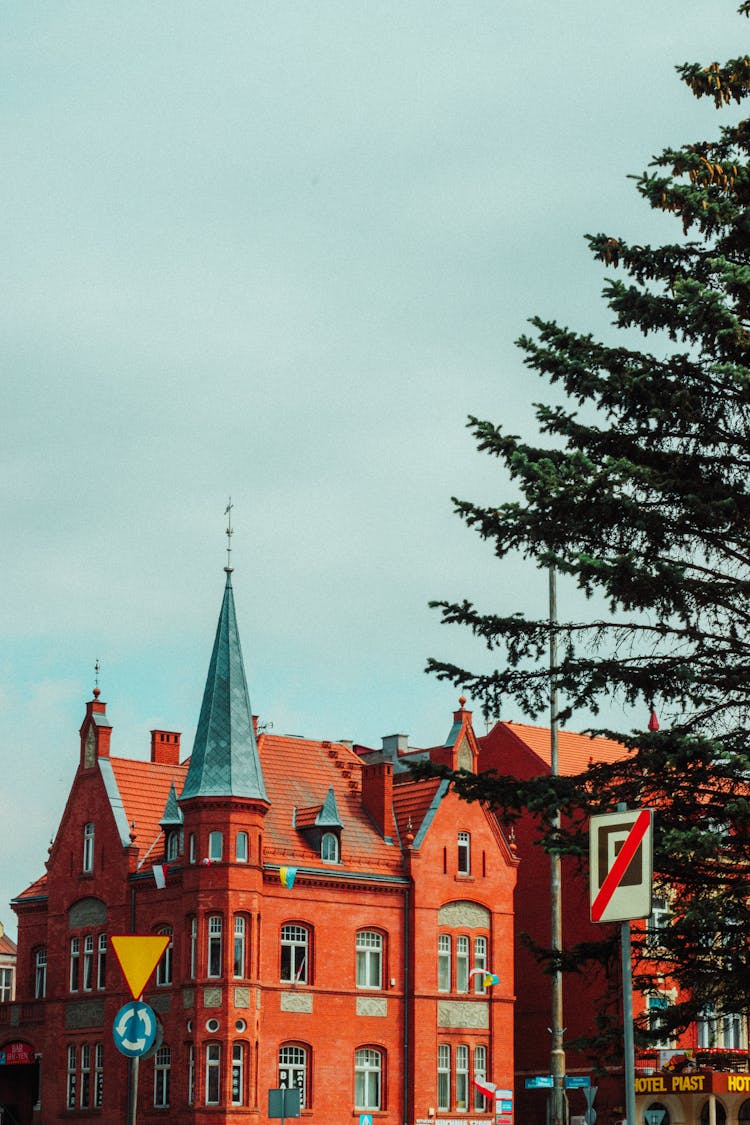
577,1081
134,1028
540,1082
365,1119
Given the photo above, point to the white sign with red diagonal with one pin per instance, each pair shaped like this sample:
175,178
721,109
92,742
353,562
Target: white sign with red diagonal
621,865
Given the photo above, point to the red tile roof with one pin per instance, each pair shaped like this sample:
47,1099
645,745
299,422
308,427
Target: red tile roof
575,751
7,945
411,802
144,788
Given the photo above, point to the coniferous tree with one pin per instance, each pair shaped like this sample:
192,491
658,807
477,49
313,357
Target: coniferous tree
642,498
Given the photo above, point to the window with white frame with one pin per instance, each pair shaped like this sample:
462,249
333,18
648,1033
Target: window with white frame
98,1075
444,963
164,967
75,963
215,846
329,848
85,1075
656,1006
191,848
214,945
464,853
462,1077
657,922
241,851
239,960
40,974
733,1031
173,844
706,1028
480,962
193,965
294,953
213,1073
101,962
369,959
238,1074
462,963
480,1072
88,962
162,1071
294,1070
88,848
368,1075
6,985
191,1074
72,1077
444,1077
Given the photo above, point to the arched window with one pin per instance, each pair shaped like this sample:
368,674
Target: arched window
88,962
238,1074
239,966
294,1071
213,1073
462,963
241,847
743,1116
462,1077
193,946
294,954
480,1072
369,959
101,962
480,962
721,1113
444,1077
164,967
88,848
173,844
75,963
215,847
329,848
444,963
162,1068
368,1075
214,945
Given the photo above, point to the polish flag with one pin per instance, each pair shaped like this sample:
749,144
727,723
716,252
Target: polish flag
160,875
485,1087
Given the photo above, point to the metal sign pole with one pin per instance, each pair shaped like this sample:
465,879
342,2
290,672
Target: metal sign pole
627,1016
133,1090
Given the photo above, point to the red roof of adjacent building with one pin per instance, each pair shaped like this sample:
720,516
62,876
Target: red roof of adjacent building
575,751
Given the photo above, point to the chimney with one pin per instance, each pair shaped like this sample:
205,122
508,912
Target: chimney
395,744
165,747
377,795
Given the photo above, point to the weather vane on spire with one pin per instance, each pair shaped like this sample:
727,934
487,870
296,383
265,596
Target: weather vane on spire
230,533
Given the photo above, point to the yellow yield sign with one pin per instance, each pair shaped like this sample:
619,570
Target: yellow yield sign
138,957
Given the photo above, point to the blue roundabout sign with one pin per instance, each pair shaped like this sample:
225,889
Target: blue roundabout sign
134,1028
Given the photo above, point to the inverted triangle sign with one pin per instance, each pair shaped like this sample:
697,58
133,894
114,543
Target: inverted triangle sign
138,957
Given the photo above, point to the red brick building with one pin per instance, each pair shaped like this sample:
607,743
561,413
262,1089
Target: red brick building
326,916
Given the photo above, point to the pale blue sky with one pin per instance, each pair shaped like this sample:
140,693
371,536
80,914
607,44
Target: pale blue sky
281,251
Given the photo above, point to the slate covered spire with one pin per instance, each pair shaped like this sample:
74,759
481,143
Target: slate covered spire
225,760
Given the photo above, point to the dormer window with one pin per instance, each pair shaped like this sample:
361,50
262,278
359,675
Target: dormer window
88,848
329,848
173,845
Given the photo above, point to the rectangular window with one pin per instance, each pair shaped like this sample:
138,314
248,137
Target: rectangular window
85,1075
215,847
191,847
241,849
162,1066
462,1077
72,1077
464,853
213,1073
238,968
444,1077
238,1074
214,946
6,985
657,1005
164,967
480,1072
88,848
75,958
88,962
40,977
294,954
99,1075
480,962
462,963
191,1074
444,963
101,963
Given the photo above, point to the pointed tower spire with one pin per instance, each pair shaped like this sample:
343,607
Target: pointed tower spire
172,816
225,760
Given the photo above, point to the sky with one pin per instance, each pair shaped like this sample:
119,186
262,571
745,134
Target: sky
280,252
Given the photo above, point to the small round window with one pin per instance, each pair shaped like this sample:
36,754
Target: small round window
212,1025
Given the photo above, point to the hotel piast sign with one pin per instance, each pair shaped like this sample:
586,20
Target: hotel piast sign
692,1082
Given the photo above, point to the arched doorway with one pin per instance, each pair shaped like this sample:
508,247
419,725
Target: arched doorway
19,1081
721,1113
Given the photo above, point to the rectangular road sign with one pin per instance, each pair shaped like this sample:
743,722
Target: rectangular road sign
576,1081
620,865
540,1082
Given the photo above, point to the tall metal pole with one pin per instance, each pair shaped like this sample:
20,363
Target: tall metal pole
558,1106
627,1019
